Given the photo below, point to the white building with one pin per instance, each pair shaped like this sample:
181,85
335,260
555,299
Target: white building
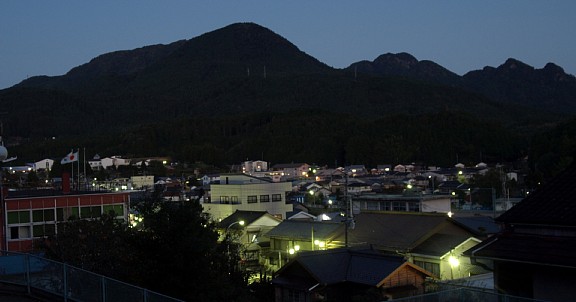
250,167
115,161
45,164
141,182
247,193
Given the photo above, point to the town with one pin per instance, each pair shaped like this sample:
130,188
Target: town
313,233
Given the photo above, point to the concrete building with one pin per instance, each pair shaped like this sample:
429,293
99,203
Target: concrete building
34,214
246,193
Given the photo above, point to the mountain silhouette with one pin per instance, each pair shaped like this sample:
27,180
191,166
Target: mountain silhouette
250,78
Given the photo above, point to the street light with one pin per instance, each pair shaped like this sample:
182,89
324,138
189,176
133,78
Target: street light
229,241
240,222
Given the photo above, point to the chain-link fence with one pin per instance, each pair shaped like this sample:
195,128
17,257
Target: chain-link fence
31,273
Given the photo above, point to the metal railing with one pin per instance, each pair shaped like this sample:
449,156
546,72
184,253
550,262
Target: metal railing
34,274
465,294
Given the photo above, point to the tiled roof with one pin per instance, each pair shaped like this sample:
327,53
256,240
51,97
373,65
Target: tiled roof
479,225
347,265
439,244
302,230
554,204
546,250
393,231
247,216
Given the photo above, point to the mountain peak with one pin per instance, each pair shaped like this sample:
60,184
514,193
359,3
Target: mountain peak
515,65
404,60
405,65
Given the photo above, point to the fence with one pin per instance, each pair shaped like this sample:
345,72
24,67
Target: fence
465,294
34,274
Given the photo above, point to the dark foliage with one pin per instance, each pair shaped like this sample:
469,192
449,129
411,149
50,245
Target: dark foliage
174,251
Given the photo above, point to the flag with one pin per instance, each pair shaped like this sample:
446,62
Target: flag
71,157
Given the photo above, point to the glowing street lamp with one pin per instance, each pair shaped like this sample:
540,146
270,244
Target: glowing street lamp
240,222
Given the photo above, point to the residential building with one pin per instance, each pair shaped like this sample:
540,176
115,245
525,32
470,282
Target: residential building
247,193
251,234
291,171
291,236
534,255
403,203
348,275
114,161
356,170
142,182
432,241
252,167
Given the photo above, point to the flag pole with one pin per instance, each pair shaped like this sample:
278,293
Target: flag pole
72,170
84,164
78,184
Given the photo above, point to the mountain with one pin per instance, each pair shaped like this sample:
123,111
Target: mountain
513,82
405,65
242,90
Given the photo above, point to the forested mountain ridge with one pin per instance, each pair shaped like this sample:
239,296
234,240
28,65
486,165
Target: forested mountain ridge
243,91
513,82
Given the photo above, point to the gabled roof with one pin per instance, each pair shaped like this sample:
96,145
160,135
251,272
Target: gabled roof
554,204
302,230
247,216
302,215
532,249
394,231
479,225
439,244
345,265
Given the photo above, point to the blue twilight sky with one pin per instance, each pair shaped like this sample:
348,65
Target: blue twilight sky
51,37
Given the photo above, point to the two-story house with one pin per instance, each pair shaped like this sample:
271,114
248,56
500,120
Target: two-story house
432,241
291,171
251,228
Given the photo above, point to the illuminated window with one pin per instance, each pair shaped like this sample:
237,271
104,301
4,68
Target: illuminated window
234,200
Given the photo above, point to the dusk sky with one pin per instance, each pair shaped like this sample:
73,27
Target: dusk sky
51,37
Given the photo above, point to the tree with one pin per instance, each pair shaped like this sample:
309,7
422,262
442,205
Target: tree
174,251
102,246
